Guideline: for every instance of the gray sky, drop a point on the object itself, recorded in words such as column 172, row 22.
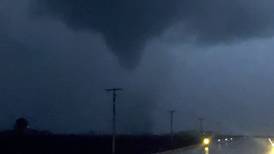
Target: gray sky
column 210, row 58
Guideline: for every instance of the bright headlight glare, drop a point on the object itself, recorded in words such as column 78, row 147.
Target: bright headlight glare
column 206, row 141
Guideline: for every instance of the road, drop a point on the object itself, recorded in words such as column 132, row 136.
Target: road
column 240, row 146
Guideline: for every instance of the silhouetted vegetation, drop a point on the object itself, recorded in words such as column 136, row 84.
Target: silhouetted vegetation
column 21, row 126
column 75, row 144
column 23, row 140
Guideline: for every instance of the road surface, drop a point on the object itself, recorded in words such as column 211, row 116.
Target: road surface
column 240, row 146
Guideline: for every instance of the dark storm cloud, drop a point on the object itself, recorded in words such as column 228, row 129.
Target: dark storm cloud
column 127, row 24
column 56, row 77
column 54, row 72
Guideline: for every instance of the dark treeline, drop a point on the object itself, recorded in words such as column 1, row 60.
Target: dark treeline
column 73, row 144
column 23, row 140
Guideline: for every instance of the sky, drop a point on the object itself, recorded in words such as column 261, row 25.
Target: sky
column 203, row 58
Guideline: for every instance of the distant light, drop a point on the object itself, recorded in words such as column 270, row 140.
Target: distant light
column 206, row 141
column 219, row 140
column 206, row 150
column 226, row 139
column 231, row 139
column 271, row 150
column 271, row 142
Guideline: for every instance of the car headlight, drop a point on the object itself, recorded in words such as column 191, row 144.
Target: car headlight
column 206, row 141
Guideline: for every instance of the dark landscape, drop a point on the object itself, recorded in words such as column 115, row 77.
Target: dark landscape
column 96, row 144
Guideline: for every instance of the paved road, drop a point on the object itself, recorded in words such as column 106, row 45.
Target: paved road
column 241, row 146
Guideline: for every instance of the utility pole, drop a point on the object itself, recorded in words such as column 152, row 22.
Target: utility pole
column 171, row 112
column 201, row 122
column 114, row 96
column 219, row 128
